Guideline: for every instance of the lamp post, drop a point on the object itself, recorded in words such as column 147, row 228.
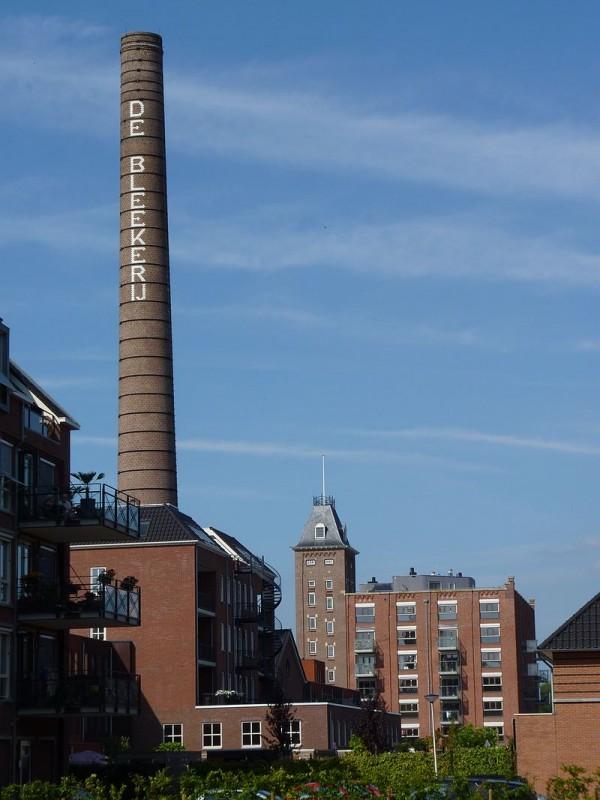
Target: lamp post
column 431, row 698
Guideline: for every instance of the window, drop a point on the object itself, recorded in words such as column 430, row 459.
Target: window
column 312, row 599
column 365, row 613
column 312, row 584
column 364, row 642
column 329, row 603
column 490, row 634
column 312, row 623
column 491, row 683
column 4, row 665
column 447, row 610
column 251, row 734
column 329, row 584
column 489, row 609
column 312, row 647
column 320, row 531
column 173, row 733
column 434, row 585
column 408, row 685
column 330, row 676
column 498, row 727
column 5, row 567
column 95, row 585
column 330, row 651
column 407, row 661
column 211, row 734
column 329, row 561
column 493, row 708
column 491, row 658
column 330, row 627
column 406, row 612
column 406, row 636
column 98, row 633
column 295, row 732
column 449, row 663
column 449, row 687
column 409, row 708
column 448, row 638
column 367, row 687
column 410, row 733
column 6, row 475
column 310, row 562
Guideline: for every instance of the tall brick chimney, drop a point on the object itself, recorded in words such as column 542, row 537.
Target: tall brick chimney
column 147, row 465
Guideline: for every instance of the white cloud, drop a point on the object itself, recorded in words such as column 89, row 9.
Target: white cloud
column 480, row 437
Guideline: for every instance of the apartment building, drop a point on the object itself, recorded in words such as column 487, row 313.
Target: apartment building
column 50, row 689
column 468, row 649
column 210, row 621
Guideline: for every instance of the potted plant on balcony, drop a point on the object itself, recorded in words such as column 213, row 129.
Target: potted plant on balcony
column 107, row 576
column 129, row 582
column 87, row 505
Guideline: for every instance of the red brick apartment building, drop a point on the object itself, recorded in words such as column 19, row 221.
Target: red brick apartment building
column 571, row 733
column 210, row 652
column 53, row 689
column 418, row 635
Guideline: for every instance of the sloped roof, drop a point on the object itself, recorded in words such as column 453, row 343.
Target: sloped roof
column 324, row 513
column 23, row 385
column 165, row 523
column 234, row 548
column 579, row 632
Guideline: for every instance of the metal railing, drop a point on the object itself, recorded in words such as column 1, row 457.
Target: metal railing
column 39, row 597
column 115, row 693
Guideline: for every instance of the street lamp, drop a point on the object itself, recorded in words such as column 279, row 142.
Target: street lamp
column 431, row 698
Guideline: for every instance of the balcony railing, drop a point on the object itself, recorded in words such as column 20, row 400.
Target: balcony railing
column 246, row 612
column 206, row 652
column 52, row 604
column 365, row 669
column 366, row 645
column 450, row 691
column 83, row 513
column 206, row 602
column 448, row 642
column 247, row 660
column 449, row 665
column 118, row 693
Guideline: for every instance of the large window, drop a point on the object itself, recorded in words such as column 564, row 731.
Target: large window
column 173, row 732
column 493, row 707
column 365, row 613
column 409, row 709
column 448, row 638
column 407, row 661
column 251, row 736
column 211, row 734
column 5, row 570
column 447, row 609
column 406, row 612
column 4, row 665
column 295, row 732
column 490, row 634
column 491, row 658
column 491, row 683
column 489, row 609
column 407, row 636
column 408, row 685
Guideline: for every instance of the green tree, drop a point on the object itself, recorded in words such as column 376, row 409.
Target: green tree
column 370, row 726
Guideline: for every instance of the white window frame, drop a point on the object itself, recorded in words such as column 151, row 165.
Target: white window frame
column 490, row 687
column 312, row 584
column 330, row 676
column 330, row 626
column 310, row 562
column 312, row 623
column 312, row 647
column 251, row 734
column 173, row 732
column 98, row 633
column 367, row 615
column 406, row 636
column 329, row 584
column 320, row 531
column 212, row 735
column 492, row 633
column 406, row 658
column 489, row 613
column 329, row 603
column 312, row 599
column 486, row 654
column 408, row 685
column 330, row 651
column 95, row 585
column 406, row 612
column 295, row 732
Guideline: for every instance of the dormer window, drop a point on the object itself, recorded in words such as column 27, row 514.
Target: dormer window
column 320, row 530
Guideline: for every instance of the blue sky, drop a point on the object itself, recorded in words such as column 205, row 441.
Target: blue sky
column 384, row 248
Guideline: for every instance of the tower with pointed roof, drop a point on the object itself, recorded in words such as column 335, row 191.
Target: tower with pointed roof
column 325, row 574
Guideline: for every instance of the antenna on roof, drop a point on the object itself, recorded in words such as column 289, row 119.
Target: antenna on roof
column 323, row 491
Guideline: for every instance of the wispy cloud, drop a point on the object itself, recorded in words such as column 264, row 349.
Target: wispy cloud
column 286, row 450
column 480, row 437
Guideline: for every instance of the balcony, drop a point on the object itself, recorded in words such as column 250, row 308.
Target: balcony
column 206, row 604
column 448, row 641
column 206, row 655
column 94, row 513
column 247, row 660
column 449, row 664
column 51, row 604
column 245, row 613
column 366, row 645
column 450, row 691
column 365, row 670
column 450, row 713
column 118, row 693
